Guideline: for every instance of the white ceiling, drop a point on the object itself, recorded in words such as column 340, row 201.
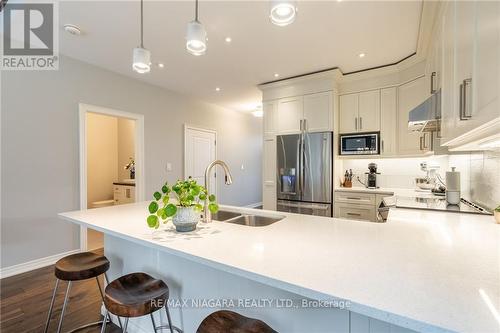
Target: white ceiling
column 325, row 34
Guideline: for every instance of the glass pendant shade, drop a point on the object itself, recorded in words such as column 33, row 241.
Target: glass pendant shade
column 141, row 60
column 196, row 38
column 282, row 12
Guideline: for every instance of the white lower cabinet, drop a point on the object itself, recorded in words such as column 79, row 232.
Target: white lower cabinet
column 355, row 212
column 361, row 206
column 123, row 194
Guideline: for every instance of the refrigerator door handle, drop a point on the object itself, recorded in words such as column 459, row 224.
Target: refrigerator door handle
column 301, row 166
column 304, row 205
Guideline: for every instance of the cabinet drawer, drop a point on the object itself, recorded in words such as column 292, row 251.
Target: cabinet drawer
column 355, row 212
column 355, row 197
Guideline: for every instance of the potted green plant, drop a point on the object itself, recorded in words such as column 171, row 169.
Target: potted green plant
column 497, row 214
column 185, row 210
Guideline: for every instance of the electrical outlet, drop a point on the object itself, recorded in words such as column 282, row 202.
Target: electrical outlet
column 242, row 167
column 169, row 166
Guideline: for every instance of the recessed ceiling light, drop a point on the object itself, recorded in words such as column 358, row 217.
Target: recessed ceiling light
column 161, row 65
column 276, row 75
column 228, row 39
column 361, row 55
column 217, row 89
column 283, row 12
column 72, row 29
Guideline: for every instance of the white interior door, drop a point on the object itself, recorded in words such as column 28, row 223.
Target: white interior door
column 200, row 151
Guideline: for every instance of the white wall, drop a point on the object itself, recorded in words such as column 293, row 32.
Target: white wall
column 126, row 146
column 39, row 148
column 102, row 157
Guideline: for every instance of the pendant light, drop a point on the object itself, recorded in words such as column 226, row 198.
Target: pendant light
column 141, row 56
column 282, row 12
column 196, row 37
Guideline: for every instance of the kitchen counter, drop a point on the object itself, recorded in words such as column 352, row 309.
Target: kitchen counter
column 424, row 270
column 380, row 190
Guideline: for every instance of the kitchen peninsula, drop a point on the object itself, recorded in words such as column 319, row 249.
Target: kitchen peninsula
column 449, row 263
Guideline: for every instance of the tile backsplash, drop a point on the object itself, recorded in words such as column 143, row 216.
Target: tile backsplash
column 479, row 173
column 485, row 178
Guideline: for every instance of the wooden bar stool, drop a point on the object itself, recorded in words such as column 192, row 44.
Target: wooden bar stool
column 232, row 322
column 136, row 295
column 77, row 267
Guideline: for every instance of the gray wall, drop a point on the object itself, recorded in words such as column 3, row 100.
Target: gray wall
column 39, row 146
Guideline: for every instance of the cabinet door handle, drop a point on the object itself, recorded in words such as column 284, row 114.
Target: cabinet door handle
column 382, row 145
column 433, row 77
column 354, row 214
column 360, row 123
column 300, row 125
column 304, row 125
column 467, row 101
column 464, row 108
column 353, row 198
column 356, row 123
column 421, row 144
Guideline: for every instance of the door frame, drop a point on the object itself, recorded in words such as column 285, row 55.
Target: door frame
column 83, row 109
column 201, row 129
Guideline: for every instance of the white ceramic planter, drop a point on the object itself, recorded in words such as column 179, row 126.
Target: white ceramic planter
column 186, row 219
column 497, row 216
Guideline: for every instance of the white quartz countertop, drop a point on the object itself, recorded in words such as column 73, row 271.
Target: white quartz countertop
column 424, row 270
column 381, row 190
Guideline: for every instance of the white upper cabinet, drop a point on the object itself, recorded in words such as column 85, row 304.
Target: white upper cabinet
column 369, row 111
column 311, row 112
column 360, row 112
column 318, row 112
column 471, row 71
column 487, row 59
column 348, row 113
column 290, row 111
column 270, row 117
column 410, row 95
column 388, row 121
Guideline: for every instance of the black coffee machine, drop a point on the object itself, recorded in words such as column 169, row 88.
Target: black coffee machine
column 371, row 176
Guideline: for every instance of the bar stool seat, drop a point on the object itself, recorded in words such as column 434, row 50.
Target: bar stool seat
column 81, row 266
column 135, row 295
column 232, row 322
column 77, row 267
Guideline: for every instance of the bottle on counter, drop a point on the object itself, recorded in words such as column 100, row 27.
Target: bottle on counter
column 453, row 187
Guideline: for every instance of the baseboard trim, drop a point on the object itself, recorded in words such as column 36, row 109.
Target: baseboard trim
column 254, row 205
column 33, row 264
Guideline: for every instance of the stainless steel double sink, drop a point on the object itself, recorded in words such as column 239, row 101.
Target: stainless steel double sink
column 250, row 220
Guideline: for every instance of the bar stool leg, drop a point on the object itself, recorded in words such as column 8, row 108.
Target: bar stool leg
column 51, row 306
column 107, row 281
column 124, row 330
column 64, row 307
column 169, row 319
column 153, row 321
column 104, row 322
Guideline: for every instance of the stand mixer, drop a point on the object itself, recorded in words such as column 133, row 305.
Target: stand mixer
column 430, row 182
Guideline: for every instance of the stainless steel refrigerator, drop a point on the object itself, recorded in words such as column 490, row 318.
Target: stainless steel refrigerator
column 305, row 173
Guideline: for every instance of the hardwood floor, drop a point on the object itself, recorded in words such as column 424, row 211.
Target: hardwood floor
column 25, row 300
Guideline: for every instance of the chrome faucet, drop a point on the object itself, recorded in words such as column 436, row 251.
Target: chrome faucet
column 207, row 215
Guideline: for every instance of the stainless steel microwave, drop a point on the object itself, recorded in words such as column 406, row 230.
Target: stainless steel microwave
column 360, row 144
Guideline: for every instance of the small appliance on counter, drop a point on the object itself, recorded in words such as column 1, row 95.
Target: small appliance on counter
column 430, row 181
column 453, row 187
column 371, row 176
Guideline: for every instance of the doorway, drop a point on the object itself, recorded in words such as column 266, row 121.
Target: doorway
column 111, row 163
column 200, row 149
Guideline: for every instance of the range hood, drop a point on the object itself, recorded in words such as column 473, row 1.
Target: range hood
column 426, row 117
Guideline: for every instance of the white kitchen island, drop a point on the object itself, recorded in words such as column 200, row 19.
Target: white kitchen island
column 422, row 270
